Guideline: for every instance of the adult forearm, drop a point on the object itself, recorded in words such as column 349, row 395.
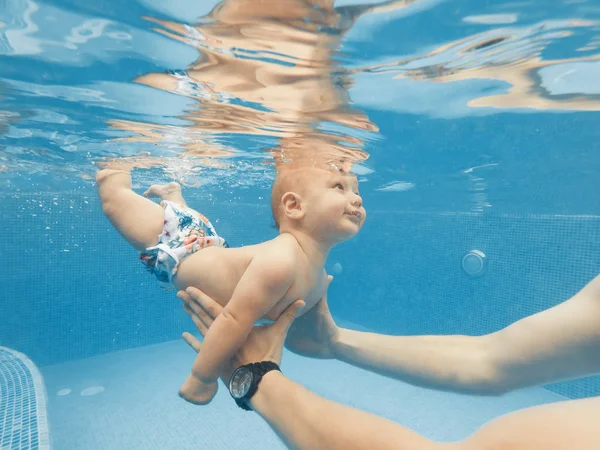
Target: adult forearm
column 454, row 363
column 304, row 420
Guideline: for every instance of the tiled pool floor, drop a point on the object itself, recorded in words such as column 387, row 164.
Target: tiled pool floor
column 128, row 400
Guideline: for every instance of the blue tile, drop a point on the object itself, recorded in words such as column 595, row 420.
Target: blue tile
column 19, row 378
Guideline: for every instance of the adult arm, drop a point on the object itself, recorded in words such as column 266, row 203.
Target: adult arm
column 559, row 343
column 302, row 419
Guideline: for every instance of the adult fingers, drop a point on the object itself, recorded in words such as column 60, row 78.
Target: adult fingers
column 202, row 327
column 195, row 309
column 286, row 319
column 210, row 306
column 192, row 341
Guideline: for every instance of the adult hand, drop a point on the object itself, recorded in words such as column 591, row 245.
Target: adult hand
column 314, row 334
column 264, row 343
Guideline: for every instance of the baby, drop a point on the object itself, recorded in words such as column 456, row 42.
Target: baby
column 314, row 209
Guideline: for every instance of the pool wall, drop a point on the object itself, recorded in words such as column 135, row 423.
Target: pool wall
column 74, row 289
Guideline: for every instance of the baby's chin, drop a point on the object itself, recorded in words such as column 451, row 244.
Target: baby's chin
column 348, row 232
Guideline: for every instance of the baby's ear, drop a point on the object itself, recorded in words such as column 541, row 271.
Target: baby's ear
column 292, row 205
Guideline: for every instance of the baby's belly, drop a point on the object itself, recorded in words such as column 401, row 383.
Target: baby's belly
column 307, row 292
column 214, row 270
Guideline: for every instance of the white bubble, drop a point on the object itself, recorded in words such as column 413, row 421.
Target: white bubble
column 492, row 19
column 359, row 169
column 397, row 186
column 90, row 29
column 63, row 392
column 337, row 269
column 120, row 35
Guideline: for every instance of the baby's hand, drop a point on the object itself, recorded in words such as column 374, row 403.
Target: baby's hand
column 198, row 392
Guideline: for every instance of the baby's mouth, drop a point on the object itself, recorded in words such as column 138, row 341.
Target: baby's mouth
column 356, row 214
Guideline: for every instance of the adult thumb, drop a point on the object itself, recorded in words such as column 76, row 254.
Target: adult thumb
column 287, row 317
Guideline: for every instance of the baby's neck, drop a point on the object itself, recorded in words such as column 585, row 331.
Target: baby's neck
column 316, row 252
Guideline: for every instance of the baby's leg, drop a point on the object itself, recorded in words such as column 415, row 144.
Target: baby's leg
column 170, row 192
column 138, row 219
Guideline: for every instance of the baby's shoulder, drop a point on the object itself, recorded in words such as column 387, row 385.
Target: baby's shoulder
column 277, row 248
column 282, row 244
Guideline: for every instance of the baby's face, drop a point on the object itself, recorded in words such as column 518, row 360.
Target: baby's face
column 334, row 205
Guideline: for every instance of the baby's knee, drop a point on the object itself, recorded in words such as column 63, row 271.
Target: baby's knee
column 110, row 180
column 111, row 185
column 104, row 175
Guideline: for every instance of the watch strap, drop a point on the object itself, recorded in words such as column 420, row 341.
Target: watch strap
column 258, row 370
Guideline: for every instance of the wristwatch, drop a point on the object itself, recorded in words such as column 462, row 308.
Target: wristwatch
column 243, row 383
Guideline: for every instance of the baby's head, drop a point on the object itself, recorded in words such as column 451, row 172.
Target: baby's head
column 321, row 202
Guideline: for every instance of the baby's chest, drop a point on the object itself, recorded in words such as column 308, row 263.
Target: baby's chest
column 310, row 289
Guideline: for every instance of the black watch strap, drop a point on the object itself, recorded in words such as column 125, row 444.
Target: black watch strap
column 258, row 369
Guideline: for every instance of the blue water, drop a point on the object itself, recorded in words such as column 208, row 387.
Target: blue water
column 471, row 125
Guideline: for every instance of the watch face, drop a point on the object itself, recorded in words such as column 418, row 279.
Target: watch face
column 240, row 383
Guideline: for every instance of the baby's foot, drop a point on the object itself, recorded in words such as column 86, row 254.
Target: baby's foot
column 170, row 192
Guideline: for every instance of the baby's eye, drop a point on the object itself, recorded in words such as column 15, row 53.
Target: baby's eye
column 339, row 186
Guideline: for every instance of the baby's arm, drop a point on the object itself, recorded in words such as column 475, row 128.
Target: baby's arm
column 264, row 283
